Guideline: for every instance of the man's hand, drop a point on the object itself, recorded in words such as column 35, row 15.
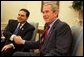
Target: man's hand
column 18, row 40
column 6, row 47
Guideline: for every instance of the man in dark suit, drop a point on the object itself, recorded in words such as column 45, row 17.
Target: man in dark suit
column 57, row 41
column 15, row 28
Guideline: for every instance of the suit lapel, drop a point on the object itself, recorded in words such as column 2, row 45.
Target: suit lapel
column 51, row 32
column 53, row 27
column 15, row 24
column 23, row 28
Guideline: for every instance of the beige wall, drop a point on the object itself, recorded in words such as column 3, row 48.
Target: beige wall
column 9, row 10
column 35, row 10
column 68, row 14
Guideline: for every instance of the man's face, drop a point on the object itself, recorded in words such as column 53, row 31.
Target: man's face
column 21, row 17
column 48, row 14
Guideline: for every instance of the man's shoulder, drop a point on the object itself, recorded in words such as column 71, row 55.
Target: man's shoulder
column 30, row 25
column 64, row 25
column 12, row 20
column 61, row 24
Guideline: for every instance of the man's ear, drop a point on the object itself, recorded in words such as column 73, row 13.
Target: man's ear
column 56, row 14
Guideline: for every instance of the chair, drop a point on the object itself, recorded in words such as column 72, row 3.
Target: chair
column 34, row 35
column 35, row 31
column 80, row 48
column 2, row 29
column 77, row 32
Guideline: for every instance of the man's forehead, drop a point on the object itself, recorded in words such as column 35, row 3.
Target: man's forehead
column 47, row 7
column 22, row 12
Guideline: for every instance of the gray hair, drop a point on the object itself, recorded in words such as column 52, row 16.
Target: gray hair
column 54, row 7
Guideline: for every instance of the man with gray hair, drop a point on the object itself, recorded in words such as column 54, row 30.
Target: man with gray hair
column 56, row 39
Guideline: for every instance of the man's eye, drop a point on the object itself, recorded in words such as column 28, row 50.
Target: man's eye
column 47, row 11
column 18, row 14
column 22, row 15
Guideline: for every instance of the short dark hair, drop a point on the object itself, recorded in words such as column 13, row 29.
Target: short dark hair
column 25, row 10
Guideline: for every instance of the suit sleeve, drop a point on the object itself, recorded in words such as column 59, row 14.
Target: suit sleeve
column 63, row 41
column 31, row 45
column 7, row 32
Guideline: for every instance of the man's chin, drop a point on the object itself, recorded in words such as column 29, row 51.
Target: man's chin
column 19, row 21
column 47, row 22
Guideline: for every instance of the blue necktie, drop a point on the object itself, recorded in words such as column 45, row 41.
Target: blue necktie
column 17, row 29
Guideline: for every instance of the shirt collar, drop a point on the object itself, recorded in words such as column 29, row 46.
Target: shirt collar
column 21, row 25
column 53, row 22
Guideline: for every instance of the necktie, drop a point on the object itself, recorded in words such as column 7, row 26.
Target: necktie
column 46, row 32
column 17, row 29
column 45, row 36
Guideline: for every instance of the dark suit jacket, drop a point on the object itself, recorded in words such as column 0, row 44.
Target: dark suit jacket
column 25, row 32
column 58, row 42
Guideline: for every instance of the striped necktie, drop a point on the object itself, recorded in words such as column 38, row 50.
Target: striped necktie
column 17, row 29
column 45, row 36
